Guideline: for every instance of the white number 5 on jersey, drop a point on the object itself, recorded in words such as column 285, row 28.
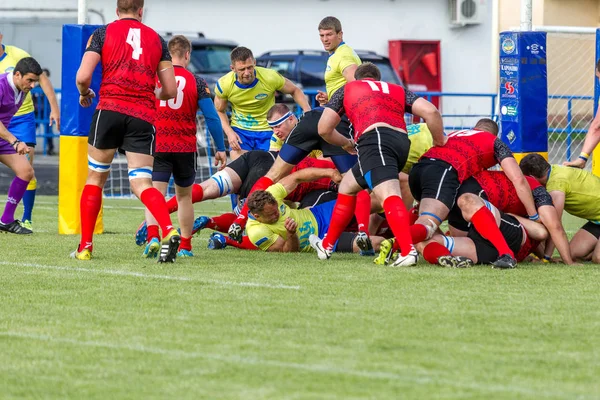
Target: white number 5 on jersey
column 135, row 41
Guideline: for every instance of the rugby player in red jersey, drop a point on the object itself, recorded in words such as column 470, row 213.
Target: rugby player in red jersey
column 495, row 187
column 132, row 56
column 435, row 179
column 376, row 110
column 176, row 144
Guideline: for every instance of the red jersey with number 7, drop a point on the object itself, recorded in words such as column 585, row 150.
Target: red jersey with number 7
column 176, row 118
column 367, row 102
column 130, row 53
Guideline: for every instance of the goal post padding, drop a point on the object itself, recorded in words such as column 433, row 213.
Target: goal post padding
column 524, row 92
column 75, row 125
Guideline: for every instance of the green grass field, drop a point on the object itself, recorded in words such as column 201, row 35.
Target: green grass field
column 234, row 324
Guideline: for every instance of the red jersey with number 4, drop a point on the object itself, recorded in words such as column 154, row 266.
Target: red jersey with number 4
column 130, row 53
column 367, row 102
column 502, row 193
column 470, row 151
column 176, row 118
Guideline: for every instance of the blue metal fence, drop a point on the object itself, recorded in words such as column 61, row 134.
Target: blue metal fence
column 42, row 114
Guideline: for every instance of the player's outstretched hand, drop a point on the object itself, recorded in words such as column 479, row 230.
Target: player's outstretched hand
column 86, row 100
column 350, row 147
column 578, row 163
column 321, row 97
column 290, row 225
column 220, row 160
column 234, row 141
column 336, row 176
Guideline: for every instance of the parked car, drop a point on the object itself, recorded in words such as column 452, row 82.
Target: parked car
column 307, row 67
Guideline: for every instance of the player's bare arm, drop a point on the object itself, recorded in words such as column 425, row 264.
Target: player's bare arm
column 426, row 110
column 232, row 137
column 48, row 90
column 83, row 78
column 349, row 71
column 291, row 182
column 327, row 123
column 535, row 231
column 297, row 94
column 552, row 222
column 558, row 199
column 514, row 173
column 166, row 77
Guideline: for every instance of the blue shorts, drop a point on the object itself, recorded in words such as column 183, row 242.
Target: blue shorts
column 254, row 140
column 323, row 213
column 23, row 127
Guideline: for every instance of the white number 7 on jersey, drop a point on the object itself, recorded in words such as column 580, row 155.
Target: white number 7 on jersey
column 135, row 41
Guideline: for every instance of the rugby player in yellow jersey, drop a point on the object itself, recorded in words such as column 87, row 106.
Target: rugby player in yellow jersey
column 342, row 62
column 251, row 92
column 22, row 125
column 575, row 191
column 275, row 227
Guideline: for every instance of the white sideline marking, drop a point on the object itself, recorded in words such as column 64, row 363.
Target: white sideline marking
column 325, row 369
column 152, row 276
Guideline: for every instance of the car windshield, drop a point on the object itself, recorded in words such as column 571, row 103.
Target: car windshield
column 387, row 73
column 210, row 59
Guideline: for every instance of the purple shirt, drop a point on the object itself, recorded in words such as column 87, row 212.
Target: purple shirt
column 11, row 98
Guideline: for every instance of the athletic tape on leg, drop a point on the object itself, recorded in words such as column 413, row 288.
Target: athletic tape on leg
column 140, row 173
column 97, row 166
column 449, row 243
column 224, row 183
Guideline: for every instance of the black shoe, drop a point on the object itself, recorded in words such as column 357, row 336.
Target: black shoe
column 455, row 262
column 505, row 261
column 168, row 248
column 15, row 227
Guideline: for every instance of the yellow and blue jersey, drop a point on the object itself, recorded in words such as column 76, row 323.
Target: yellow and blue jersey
column 337, row 62
column 250, row 103
column 420, row 141
column 264, row 235
column 581, row 189
column 12, row 55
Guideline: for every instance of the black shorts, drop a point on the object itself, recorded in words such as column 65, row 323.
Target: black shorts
column 434, row 179
column 455, row 218
column 316, row 197
column 250, row 167
column 113, row 130
column 592, row 228
column 345, row 243
column 512, row 231
column 305, row 135
column 182, row 165
column 382, row 154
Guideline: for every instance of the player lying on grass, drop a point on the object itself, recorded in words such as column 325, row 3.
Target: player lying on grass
column 521, row 234
column 495, row 187
column 575, row 191
column 274, row 226
column 435, row 179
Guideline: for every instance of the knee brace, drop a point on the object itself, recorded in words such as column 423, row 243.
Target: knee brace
column 140, row 173
column 97, row 166
column 224, row 183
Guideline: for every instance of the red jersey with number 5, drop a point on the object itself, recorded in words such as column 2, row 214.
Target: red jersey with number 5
column 176, row 118
column 367, row 102
column 470, row 151
column 130, row 53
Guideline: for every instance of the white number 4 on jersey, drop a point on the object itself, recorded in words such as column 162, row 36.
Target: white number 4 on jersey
column 135, row 41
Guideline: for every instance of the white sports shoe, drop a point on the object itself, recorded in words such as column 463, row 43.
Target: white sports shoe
column 317, row 244
column 408, row 260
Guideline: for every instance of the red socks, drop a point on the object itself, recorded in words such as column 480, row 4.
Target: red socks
column 397, row 217
column 245, row 245
column 418, row 232
column 89, row 207
column 260, row 184
column 152, row 232
column 433, row 251
column 197, row 194
column 221, row 223
column 185, row 244
column 340, row 218
column 485, row 223
column 156, row 204
column 362, row 213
